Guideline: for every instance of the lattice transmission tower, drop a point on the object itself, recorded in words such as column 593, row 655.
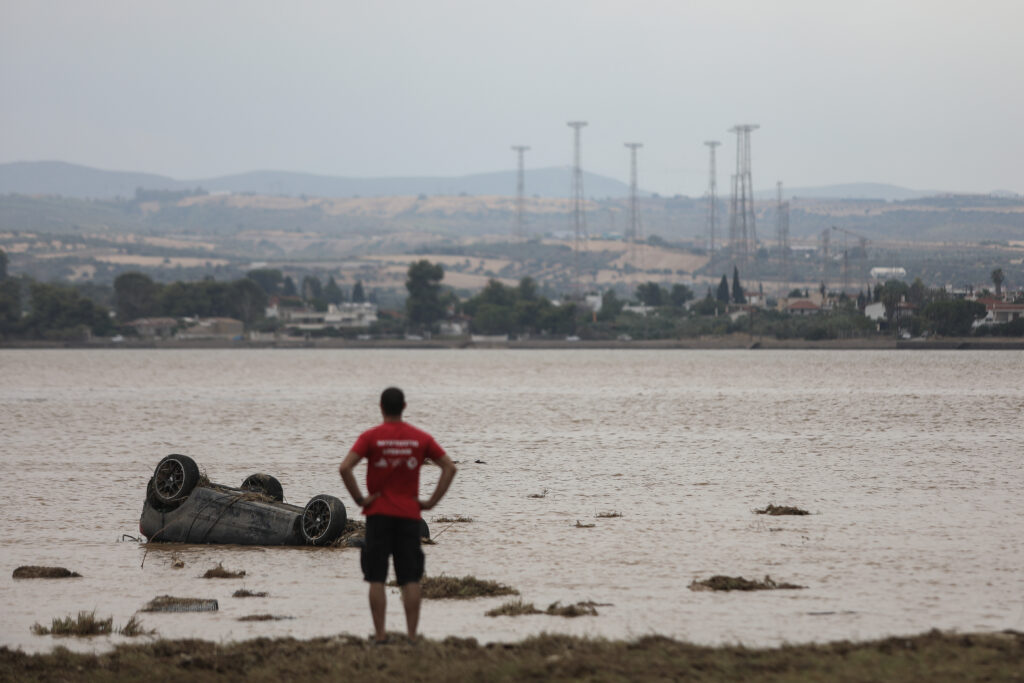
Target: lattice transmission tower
column 712, row 217
column 520, row 232
column 579, row 216
column 782, row 237
column 742, row 229
column 635, row 229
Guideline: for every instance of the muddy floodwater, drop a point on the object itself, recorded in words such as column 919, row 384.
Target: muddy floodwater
column 910, row 463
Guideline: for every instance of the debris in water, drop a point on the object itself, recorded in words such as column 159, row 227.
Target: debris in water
column 462, row 588
column 479, row 462
column 513, row 608
column 580, row 525
column 781, row 510
column 542, row 494
column 455, row 519
column 579, row 609
column 34, row 572
column 262, row 617
column 166, row 603
column 608, row 515
column 243, row 593
column 177, row 562
column 738, row 583
column 134, row 628
column 219, row 572
column 85, row 625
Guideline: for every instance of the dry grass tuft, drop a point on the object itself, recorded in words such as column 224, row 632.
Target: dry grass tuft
column 781, row 510
column 34, row 572
column 514, row 608
column 462, row 588
column 738, row 583
column 579, row 609
column 84, row 625
column 243, row 593
column 134, row 627
column 455, row 519
column 608, row 515
column 167, row 603
column 219, row 572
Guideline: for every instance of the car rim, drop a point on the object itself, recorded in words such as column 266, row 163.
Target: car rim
column 169, row 479
column 316, row 519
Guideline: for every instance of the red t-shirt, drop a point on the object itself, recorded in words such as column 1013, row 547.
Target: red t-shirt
column 394, row 453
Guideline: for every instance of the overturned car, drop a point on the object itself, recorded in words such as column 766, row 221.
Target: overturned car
column 183, row 507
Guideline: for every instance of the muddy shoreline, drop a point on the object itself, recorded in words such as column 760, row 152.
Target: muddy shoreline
column 731, row 342
column 932, row 656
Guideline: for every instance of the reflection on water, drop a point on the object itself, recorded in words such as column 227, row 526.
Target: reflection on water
column 911, row 462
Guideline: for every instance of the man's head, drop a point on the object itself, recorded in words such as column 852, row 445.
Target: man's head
column 392, row 402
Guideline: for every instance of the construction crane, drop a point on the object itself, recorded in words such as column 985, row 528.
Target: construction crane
column 862, row 255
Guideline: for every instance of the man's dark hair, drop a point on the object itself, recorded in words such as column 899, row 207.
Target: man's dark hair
column 392, row 402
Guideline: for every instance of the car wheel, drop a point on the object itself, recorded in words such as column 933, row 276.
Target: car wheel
column 323, row 520
column 174, row 478
column 424, row 529
column 265, row 484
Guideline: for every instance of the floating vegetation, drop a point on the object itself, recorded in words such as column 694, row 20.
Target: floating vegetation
column 513, row 608
column 579, row 609
column 262, row 617
column 177, row 562
column 738, row 583
column 167, row 603
column 781, row 510
column 133, row 627
column 608, row 515
column 542, row 494
column 581, row 525
column 456, row 519
column 34, row 572
column 462, row 588
column 219, row 572
column 84, row 625
column 243, row 593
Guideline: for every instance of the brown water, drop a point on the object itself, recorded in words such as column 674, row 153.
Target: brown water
column 910, row 461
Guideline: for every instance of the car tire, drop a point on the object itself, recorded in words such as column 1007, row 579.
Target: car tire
column 323, row 520
column 265, row 484
column 424, row 529
column 174, row 478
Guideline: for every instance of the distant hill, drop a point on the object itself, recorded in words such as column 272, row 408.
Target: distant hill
column 83, row 182
column 881, row 191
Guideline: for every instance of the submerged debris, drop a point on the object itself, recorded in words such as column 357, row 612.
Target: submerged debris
column 579, row 609
column 262, row 617
column 462, row 588
column 85, row 625
column 34, row 572
column 514, row 608
column 542, row 494
column 517, row 608
column 581, row 525
column 455, row 519
column 243, row 593
column 781, row 510
column 608, row 515
column 219, row 572
column 738, row 583
column 167, row 603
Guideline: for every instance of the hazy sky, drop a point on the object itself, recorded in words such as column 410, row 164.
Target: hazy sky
column 928, row 94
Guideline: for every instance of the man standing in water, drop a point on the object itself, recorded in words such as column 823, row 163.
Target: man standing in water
column 394, row 452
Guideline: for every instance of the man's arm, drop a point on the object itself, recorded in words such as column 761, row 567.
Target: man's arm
column 448, row 470
column 348, row 476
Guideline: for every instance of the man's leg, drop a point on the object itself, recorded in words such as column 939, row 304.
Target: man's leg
column 411, row 596
column 379, row 609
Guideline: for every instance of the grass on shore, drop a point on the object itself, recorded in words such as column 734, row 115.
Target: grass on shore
column 86, row 624
column 930, row 656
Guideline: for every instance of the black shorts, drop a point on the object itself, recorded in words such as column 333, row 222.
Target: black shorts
column 392, row 536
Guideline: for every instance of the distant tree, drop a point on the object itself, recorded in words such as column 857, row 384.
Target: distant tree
column 311, row 288
column 3, row 265
column 737, row 289
column 269, row 279
column 611, row 306
column 423, row 306
column 135, row 296
column 248, row 299
column 61, row 313
column 651, row 294
column 953, row 318
column 332, row 292
column 680, row 295
column 723, row 290
column 917, row 292
column 795, row 293
column 10, row 306
column 997, row 279
column 358, row 295
column 288, row 287
column 527, row 289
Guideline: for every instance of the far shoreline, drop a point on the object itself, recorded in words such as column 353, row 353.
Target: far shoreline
column 730, row 342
